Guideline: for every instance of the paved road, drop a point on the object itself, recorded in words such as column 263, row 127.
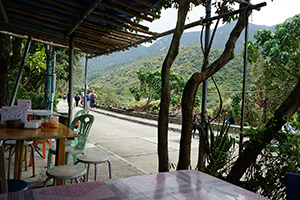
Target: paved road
column 133, row 143
column 130, row 143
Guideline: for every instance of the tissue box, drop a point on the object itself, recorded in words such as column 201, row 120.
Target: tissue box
column 33, row 124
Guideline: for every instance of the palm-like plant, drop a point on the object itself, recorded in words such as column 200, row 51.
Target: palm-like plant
column 217, row 145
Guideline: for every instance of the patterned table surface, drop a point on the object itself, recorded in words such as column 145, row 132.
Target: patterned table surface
column 184, row 184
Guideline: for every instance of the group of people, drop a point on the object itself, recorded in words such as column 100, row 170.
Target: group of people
column 90, row 97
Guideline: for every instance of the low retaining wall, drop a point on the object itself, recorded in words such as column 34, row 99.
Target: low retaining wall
column 173, row 120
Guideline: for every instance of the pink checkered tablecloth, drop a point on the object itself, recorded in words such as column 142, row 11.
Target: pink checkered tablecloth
column 185, row 184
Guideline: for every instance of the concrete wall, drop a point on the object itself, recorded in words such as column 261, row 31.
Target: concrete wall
column 174, row 120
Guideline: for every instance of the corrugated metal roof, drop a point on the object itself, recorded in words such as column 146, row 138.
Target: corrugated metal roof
column 99, row 27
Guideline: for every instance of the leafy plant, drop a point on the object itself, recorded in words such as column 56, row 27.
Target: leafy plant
column 282, row 155
column 275, row 56
column 216, row 146
column 150, row 86
column 37, row 99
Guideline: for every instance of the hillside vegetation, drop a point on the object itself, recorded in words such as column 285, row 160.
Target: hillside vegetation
column 188, row 62
column 117, row 72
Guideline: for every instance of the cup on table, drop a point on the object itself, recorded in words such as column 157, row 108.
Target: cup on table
column 45, row 123
column 54, row 121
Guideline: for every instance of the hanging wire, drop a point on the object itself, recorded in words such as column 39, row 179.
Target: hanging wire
column 206, row 53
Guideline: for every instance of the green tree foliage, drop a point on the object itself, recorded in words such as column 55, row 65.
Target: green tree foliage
column 189, row 60
column 150, row 86
column 33, row 77
column 276, row 60
column 282, row 155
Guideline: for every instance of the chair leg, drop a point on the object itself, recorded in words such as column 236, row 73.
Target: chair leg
column 25, row 157
column 109, row 166
column 49, row 160
column 9, row 162
column 75, row 158
column 33, row 165
column 44, row 149
column 96, row 172
column 50, row 145
column 31, row 154
column 46, row 182
column 87, row 174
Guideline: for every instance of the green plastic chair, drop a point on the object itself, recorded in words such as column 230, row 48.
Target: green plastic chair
column 78, row 113
column 86, row 122
column 76, row 129
column 81, row 112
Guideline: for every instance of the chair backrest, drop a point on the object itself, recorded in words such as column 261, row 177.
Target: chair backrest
column 85, row 123
column 81, row 112
column 292, row 182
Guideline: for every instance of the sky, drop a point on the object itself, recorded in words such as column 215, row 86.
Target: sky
column 273, row 13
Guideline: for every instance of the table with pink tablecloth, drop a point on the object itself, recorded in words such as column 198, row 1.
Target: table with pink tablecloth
column 184, row 184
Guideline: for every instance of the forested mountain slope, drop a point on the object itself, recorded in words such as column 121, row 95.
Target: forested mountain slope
column 187, row 62
column 118, row 70
column 104, row 65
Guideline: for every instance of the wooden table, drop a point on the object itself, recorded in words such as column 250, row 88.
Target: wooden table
column 20, row 135
column 185, row 184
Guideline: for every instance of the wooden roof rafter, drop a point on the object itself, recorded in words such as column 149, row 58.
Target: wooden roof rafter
column 103, row 24
column 99, row 27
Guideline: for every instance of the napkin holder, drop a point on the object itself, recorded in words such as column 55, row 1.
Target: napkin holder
column 33, row 124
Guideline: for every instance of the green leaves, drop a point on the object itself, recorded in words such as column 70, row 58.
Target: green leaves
column 282, row 155
column 217, row 145
column 150, row 86
column 276, row 60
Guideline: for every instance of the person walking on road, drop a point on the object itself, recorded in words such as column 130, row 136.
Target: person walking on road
column 92, row 100
column 77, row 98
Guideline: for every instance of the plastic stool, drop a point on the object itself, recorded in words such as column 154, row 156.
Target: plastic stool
column 14, row 185
column 93, row 159
column 65, row 172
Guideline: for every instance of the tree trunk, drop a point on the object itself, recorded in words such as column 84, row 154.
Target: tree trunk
column 4, row 68
column 190, row 90
column 285, row 111
column 163, row 119
column 188, row 102
column 7, row 62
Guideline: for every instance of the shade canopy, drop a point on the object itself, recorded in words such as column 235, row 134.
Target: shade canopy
column 98, row 27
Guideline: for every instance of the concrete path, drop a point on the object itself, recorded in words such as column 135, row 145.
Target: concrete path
column 133, row 140
column 131, row 145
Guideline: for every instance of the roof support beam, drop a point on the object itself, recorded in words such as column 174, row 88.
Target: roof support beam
column 128, row 5
column 38, row 40
column 84, row 16
column 70, row 94
column 193, row 24
column 146, row 3
column 245, row 3
column 17, row 83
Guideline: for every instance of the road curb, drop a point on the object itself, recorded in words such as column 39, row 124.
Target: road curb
column 134, row 120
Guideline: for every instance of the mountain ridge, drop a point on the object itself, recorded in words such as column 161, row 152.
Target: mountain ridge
column 107, row 64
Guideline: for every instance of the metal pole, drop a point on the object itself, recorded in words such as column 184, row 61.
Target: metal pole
column 70, row 96
column 207, row 40
column 17, row 83
column 201, row 154
column 244, row 84
column 53, row 81
column 48, row 79
column 85, row 82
